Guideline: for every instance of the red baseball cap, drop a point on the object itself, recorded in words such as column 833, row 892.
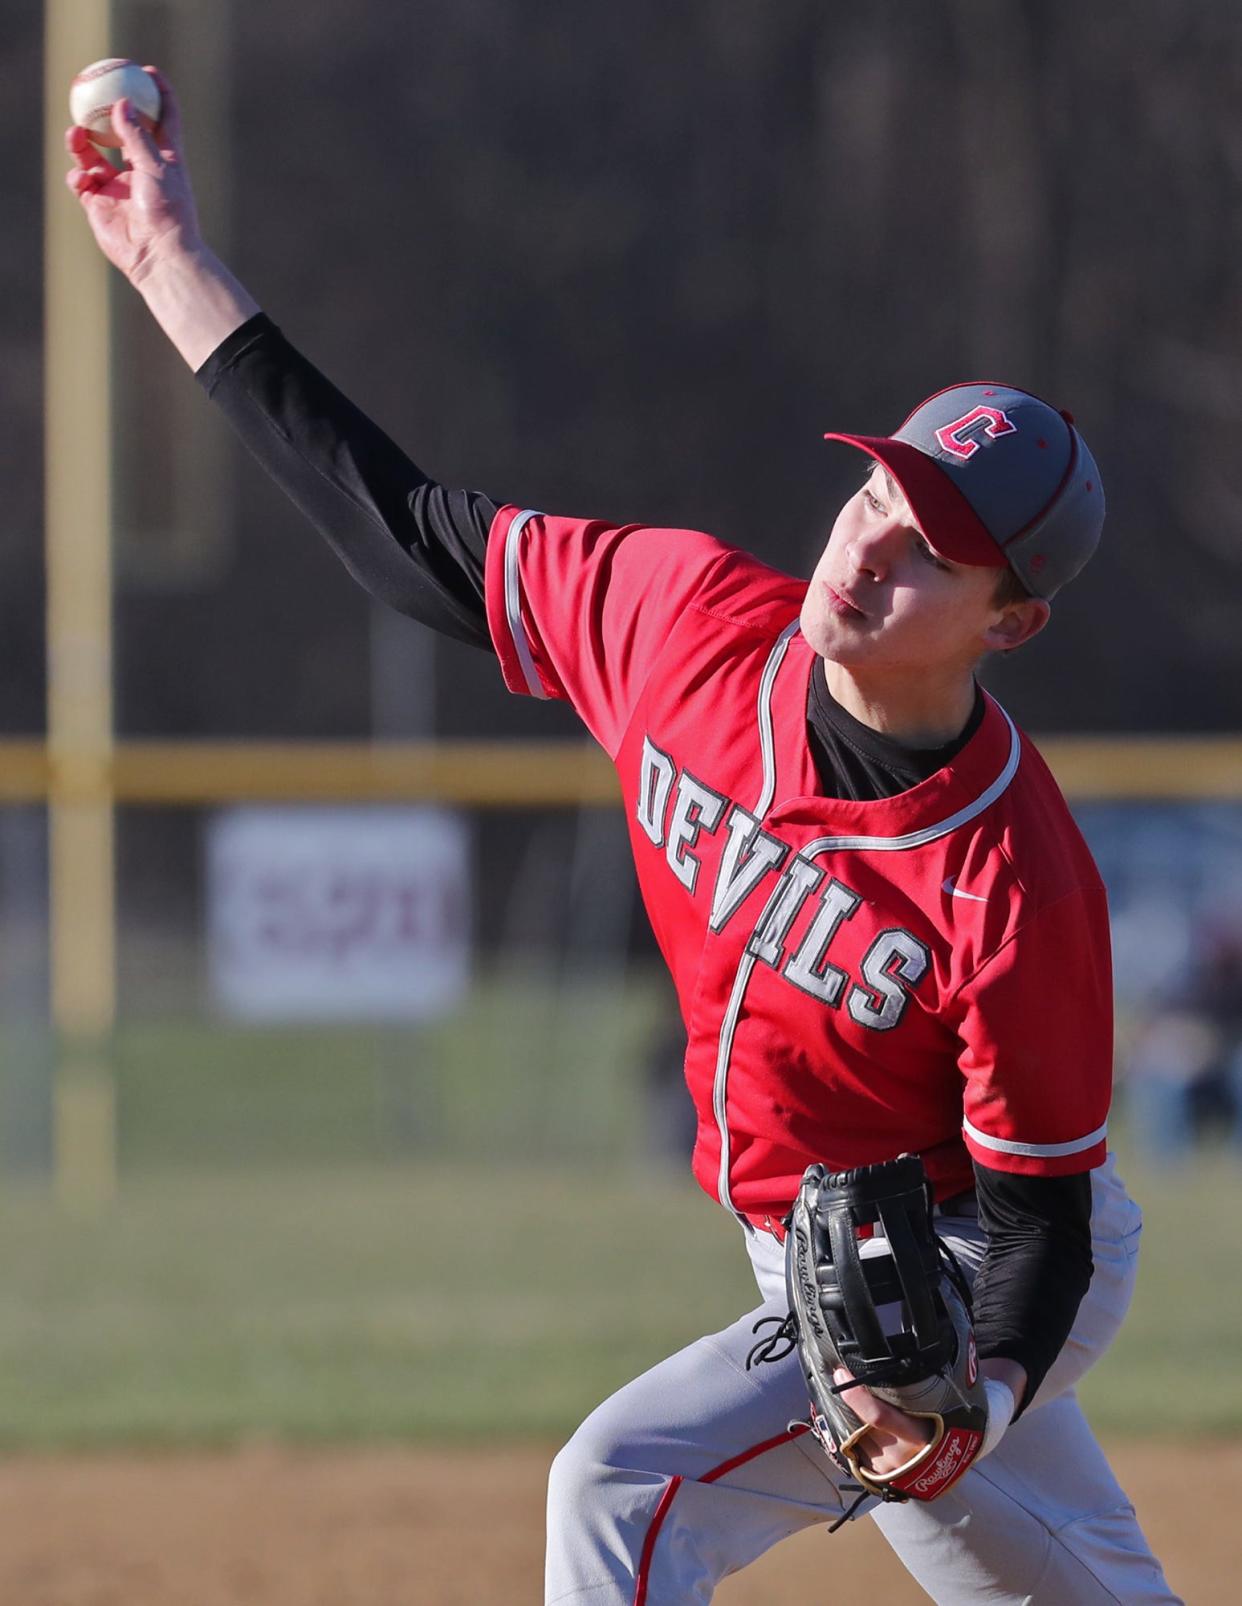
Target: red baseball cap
column 997, row 477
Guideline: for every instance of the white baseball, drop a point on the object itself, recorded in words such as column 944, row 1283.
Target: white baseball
column 97, row 87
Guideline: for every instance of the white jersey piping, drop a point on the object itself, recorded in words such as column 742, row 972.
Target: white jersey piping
column 890, row 844
column 728, row 1026
column 720, row 1091
column 929, row 833
column 767, row 743
column 1038, row 1151
column 513, row 605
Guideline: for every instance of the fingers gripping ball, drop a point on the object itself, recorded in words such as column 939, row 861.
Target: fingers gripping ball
column 98, row 87
column 874, row 1292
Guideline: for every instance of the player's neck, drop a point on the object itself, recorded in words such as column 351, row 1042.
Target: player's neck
column 918, row 711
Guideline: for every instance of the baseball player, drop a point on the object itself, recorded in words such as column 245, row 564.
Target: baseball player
column 885, row 931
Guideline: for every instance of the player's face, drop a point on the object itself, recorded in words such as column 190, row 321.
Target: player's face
column 882, row 599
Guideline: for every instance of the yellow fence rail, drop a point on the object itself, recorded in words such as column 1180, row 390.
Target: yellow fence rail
column 519, row 774
column 489, row 775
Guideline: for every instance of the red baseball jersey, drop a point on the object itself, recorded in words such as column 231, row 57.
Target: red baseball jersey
column 928, row 972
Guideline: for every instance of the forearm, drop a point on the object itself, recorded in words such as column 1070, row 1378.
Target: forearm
column 195, row 300
column 409, row 541
column 1034, row 1275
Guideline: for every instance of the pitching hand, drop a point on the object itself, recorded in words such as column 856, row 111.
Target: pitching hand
column 144, row 210
column 895, row 1437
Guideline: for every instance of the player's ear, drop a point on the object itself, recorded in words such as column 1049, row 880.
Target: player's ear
column 1016, row 623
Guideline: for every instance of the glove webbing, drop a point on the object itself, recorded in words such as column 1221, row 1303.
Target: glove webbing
column 858, row 1293
column 895, row 1198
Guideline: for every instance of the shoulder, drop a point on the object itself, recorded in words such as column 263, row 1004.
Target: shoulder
column 1027, row 822
column 1048, row 851
column 749, row 593
column 1018, row 866
column 652, row 567
column 588, row 611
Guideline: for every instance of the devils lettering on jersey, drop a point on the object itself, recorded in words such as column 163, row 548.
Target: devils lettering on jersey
column 795, row 886
column 654, row 784
column 809, row 967
column 697, row 809
column 748, row 855
column 895, row 962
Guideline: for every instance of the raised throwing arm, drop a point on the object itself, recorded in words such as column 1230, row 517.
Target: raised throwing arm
column 407, row 540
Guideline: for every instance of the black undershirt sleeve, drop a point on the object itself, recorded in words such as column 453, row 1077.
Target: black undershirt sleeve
column 407, row 540
column 1036, row 1269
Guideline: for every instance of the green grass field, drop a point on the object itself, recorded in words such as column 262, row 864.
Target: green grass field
column 423, row 1301
column 334, row 1235
column 525, row 1069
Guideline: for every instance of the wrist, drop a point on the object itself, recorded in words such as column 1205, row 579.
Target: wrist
column 1001, row 1407
column 1012, row 1374
column 176, row 253
column 193, row 297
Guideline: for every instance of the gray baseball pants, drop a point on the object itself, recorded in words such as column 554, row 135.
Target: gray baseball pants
column 691, row 1471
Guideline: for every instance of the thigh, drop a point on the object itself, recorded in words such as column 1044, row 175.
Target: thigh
column 685, row 1475
column 1042, row 1519
column 1041, row 1522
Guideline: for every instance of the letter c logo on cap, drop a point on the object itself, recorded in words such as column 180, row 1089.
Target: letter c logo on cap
column 956, row 437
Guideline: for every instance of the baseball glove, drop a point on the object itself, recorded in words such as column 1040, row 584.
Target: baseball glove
column 872, row 1289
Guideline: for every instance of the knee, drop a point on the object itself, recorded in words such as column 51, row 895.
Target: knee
column 570, row 1477
column 1111, row 1552
column 600, row 1510
column 590, row 1459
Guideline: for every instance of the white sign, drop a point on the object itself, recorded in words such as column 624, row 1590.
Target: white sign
column 337, row 913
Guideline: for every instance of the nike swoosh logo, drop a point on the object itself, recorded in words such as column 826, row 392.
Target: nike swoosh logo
column 956, row 892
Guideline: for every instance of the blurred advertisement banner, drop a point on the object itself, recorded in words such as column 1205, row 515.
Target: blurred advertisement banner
column 337, row 914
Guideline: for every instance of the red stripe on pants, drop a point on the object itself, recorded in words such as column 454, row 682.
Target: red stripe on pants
column 670, row 1494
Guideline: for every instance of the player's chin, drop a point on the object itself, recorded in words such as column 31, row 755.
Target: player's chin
column 817, row 627
column 830, row 638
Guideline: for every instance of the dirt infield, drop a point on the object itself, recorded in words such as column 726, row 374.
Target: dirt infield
column 274, row 1527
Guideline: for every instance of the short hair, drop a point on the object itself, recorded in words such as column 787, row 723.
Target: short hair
column 1009, row 588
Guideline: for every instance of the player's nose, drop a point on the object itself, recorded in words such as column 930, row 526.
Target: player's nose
column 873, row 549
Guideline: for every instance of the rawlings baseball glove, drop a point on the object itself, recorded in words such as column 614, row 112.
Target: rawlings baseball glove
column 872, row 1289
